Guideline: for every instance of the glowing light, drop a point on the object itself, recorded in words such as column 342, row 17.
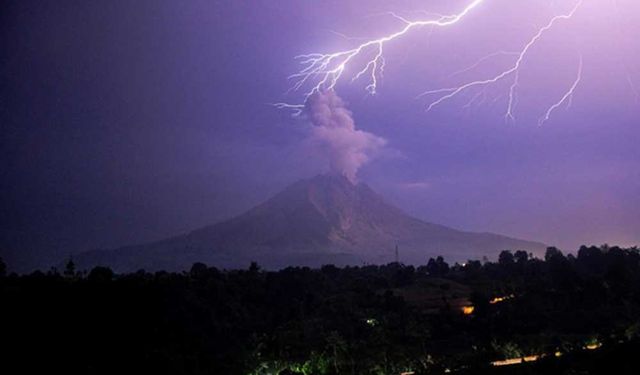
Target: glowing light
column 517, row 361
column 372, row 322
column 507, row 362
column 327, row 68
column 513, row 71
column 566, row 98
column 366, row 61
column 468, row 310
column 500, row 299
column 593, row 346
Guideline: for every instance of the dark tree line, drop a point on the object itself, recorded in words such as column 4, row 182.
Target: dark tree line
column 354, row 320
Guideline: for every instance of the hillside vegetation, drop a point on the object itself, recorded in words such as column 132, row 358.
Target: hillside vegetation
column 562, row 313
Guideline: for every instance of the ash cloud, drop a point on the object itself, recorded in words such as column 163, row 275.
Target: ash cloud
column 334, row 133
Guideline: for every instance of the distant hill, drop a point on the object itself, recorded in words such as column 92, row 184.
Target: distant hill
column 322, row 220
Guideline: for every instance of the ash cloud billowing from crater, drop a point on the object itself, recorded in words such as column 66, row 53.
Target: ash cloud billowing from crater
column 335, row 135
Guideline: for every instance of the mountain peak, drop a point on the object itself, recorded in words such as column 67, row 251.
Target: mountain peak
column 333, row 178
column 329, row 182
column 321, row 220
column 333, row 196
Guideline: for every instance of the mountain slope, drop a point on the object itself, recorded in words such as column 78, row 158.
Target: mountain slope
column 322, row 220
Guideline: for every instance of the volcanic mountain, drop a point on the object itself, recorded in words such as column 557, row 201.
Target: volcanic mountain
column 323, row 220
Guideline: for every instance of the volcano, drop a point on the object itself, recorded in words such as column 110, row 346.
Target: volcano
column 323, row 220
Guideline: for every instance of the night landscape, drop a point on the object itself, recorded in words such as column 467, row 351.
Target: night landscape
column 320, row 187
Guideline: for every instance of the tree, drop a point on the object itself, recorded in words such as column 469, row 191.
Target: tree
column 480, row 301
column 553, row 255
column 562, row 274
column 591, row 258
column 254, row 267
column 198, row 269
column 507, row 350
column 442, row 265
column 473, row 265
column 70, row 269
column 101, row 274
column 437, row 267
column 3, row 268
column 521, row 257
column 404, row 276
column 505, row 258
column 338, row 348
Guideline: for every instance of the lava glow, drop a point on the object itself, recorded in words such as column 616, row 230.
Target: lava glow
column 366, row 62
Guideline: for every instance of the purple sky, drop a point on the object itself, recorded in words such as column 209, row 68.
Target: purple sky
column 128, row 122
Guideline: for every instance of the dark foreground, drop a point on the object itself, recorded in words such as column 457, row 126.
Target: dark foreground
column 563, row 315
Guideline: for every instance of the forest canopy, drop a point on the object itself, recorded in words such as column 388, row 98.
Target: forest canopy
column 387, row 319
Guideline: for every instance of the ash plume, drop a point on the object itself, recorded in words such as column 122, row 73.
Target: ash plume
column 334, row 133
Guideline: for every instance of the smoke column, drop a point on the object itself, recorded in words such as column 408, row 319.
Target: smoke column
column 335, row 134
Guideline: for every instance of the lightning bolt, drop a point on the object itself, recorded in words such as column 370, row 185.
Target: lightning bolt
column 328, row 69
column 479, row 62
column 625, row 65
column 323, row 71
column 514, row 70
column 567, row 97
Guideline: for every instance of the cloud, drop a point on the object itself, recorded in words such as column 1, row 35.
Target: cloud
column 335, row 134
column 419, row 185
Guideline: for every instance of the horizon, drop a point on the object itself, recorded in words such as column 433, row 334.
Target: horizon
column 55, row 267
